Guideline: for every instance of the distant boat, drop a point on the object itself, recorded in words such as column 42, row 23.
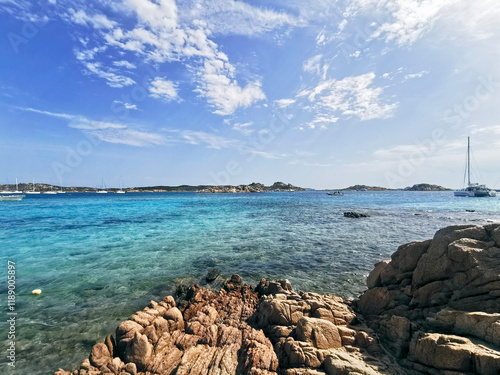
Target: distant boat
column 103, row 189
column 17, row 190
column 473, row 189
column 32, row 191
column 11, row 197
column 61, row 189
column 120, row 191
column 335, row 193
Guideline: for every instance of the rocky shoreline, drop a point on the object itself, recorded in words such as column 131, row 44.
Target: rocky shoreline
column 432, row 309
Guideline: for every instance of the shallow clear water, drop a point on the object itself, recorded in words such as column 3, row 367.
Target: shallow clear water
column 98, row 258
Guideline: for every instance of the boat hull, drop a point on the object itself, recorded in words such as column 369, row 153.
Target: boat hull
column 476, row 193
column 11, row 197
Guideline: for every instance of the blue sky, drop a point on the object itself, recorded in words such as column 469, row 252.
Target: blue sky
column 321, row 94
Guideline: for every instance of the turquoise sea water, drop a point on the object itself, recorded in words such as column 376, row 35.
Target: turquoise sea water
column 98, row 258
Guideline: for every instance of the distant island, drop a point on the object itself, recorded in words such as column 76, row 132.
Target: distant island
column 254, row 187
column 416, row 187
column 426, row 187
column 365, row 188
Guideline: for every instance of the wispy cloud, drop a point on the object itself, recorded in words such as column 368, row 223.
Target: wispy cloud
column 235, row 17
column 243, row 128
column 124, row 64
column 113, row 79
column 208, row 139
column 98, row 21
column 283, row 103
column 267, row 155
column 411, row 19
column 476, row 129
column 315, row 65
column 48, row 113
column 161, row 35
column 416, row 75
column 310, row 164
column 351, row 96
column 110, row 132
column 163, row 89
column 129, row 137
column 127, row 105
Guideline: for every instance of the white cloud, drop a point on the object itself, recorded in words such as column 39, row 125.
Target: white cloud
column 210, row 140
column 53, row 114
column 162, row 89
column 283, row 103
column 82, row 123
column 109, row 132
column 322, row 121
column 113, row 80
column 472, row 20
column 98, row 21
column 425, row 149
column 243, row 128
column 476, row 129
column 416, row 75
column 349, row 96
column 127, row 105
column 267, row 155
column 314, row 65
column 129, row 137
column 309, row 164
column 161, row 36
column 218, row 85
column 124, row 64
column 235, row 17
column 411, row 19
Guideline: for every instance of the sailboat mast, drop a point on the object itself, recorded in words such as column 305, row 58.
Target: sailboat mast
column 468, row 159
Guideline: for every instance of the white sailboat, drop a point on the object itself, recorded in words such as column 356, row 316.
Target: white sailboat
column 32, row 191
column 103, row 189
column 61, row 189
column 120, row 191
column 17, row 189
column 473, row 189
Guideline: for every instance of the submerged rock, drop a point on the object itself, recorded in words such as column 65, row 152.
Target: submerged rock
column 212, row 274
column 355, row 215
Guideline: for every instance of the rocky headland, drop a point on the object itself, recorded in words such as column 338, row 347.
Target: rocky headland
column 432, row 309
column 416, row 187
